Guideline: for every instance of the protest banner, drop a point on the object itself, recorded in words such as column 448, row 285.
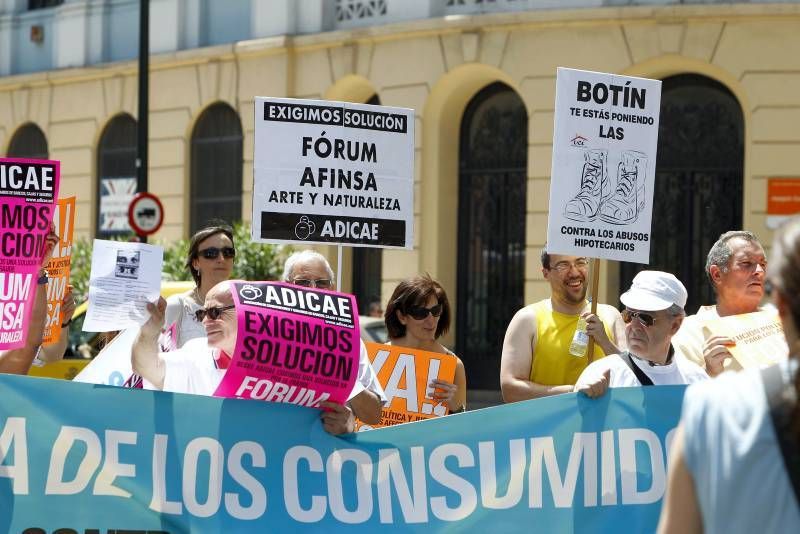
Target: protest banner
column 295, row 344
column 58, row 269
column 123, row 279
column 759, row 338
column 154, row 461
column 28, row 193
column 404, row 374
column 604, row 160
column 333, row 173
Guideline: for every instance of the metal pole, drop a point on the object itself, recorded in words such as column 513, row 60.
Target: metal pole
column 144, row 104
column 339, row 268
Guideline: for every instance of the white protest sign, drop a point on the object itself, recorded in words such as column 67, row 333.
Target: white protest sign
column 112, row 366
column 604, row 161
column 333, row 173
column 123, row 279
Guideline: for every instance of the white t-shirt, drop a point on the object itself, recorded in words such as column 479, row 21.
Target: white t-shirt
column 678, row 371
column 180, row 310
column 192, row 369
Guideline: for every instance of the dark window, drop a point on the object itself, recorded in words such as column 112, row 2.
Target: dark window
column 216, row 167
column 41, row 4
column 493, row 159
column 28, row 142
column 116, row 175
column 699, row 181
column 367, row 265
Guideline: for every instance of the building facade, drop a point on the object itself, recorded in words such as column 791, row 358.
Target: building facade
column 480, row 75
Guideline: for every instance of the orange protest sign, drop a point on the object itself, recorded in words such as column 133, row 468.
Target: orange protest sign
column 404, row 374
column 783, row 196
column 58, row 268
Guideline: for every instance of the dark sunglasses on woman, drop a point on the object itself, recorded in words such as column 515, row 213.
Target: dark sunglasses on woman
column 645, row 318
column 212, row 253
column 213, row 313
column 419, row 313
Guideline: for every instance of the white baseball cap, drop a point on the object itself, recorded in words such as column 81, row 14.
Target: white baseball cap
column 654, row 291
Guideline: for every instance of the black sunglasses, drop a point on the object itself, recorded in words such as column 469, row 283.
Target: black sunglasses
column 212, row 253
column 645, row 318
column 213, row 313
column 419, row 313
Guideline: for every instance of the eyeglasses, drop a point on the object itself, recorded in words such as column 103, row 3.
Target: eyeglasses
column 212, row 313
column 322, row 283
column 419, row 313
column 646, row 319
column 212, row 253
column 565, row 266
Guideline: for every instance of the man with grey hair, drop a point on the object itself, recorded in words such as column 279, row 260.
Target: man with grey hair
column 653, row 314
column 736, row 268
column 309, row 268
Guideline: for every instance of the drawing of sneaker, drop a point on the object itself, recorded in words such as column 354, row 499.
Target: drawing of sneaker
column 628, row 199
column 594, row 190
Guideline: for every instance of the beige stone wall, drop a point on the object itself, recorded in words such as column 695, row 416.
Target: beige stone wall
column 435, row 67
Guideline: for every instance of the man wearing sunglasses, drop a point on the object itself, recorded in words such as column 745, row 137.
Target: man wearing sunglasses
column 653, row 314
column 198, row 367
column 308, row 268
column 536, row 359
column 736, row 267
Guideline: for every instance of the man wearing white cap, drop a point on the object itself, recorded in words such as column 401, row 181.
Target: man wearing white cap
column 653, row 314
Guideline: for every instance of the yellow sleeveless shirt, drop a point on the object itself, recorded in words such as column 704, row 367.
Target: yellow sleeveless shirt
column 553, row 365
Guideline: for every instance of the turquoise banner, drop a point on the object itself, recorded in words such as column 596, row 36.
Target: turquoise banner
column 96, row 458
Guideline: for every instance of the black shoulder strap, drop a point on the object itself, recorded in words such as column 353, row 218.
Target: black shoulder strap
column 782, row 399
column 640, row 375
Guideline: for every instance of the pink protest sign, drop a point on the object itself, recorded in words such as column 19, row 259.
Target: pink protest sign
column 28, row 195
column 295, row 344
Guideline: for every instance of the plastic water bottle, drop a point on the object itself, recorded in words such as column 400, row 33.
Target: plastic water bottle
column 580, row 341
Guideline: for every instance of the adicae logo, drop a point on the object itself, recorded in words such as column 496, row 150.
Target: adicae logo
column 305, row 228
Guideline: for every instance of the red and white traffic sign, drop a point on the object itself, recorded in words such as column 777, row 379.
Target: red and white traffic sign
column 145, row 214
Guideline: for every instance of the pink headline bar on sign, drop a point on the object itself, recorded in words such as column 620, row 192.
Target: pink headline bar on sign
column 296, row 345
column 28, row 195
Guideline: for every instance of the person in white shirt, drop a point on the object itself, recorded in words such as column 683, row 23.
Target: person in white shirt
column 653, row 314
column 736, row 268
column 198, row 367
column 309, row 268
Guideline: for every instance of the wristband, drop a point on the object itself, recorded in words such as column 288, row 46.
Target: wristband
column 42, row 280
column 67, row 323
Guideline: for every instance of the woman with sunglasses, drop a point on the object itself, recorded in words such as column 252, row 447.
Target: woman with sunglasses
column 735, row 458
column 210, row 261
column 417, row 315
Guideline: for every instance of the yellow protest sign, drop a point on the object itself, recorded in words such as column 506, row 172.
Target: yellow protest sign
column 404, row 375
column 758, row 336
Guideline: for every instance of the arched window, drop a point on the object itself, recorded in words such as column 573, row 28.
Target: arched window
column 116, row 175
column 493, row 164
column 699, row 181
column 367, row 265
column 216, row 167
column 28, row 142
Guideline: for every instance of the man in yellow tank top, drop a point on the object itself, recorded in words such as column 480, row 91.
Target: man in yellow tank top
column 536, row 359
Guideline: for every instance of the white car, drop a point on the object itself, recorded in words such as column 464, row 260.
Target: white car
column 373, row 329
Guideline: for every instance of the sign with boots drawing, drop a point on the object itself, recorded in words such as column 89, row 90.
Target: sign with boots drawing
column 603, row 174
